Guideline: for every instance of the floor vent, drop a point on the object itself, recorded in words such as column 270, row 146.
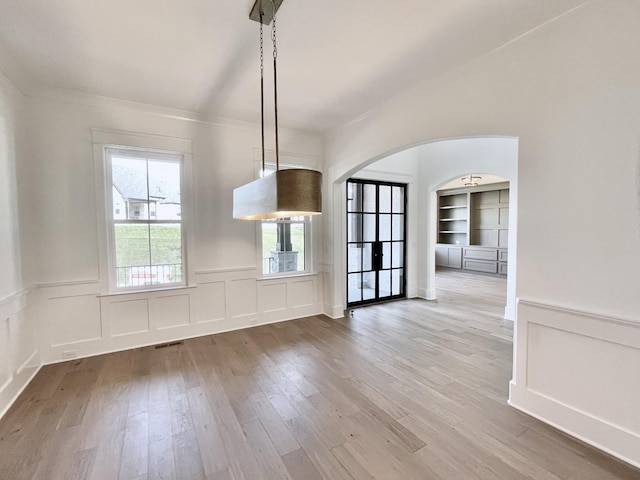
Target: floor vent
column 170, row 344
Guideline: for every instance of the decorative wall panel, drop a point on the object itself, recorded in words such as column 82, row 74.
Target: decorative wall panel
column 126, row 317
column 580, row 374
column 210, row 302
column 273, row 297
column 73, row 319
column 170, row 311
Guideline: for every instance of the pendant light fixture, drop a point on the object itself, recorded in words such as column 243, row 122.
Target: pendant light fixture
column 285, row 193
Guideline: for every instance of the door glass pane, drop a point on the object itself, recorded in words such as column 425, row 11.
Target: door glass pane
column 368, row 285
column 385, row 198
column 367, row 251
column 354, row 287
column 397, row 259
column 386, row 255
column 384, row 227
column 350, row 199
column 398, row 227
column 354, row 227
column 354, row 197
column 385, row 283
column 369, row 225
column 398, row 199
column 354, row 258
column 397, row 280
column 369, row 198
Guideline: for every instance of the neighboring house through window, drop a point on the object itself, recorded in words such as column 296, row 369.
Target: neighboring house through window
column 146, row 234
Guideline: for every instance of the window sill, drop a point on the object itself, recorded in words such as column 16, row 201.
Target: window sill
column 287, row 275
column 147, row 290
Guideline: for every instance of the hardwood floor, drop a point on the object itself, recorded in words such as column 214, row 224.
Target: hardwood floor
column 403, row 390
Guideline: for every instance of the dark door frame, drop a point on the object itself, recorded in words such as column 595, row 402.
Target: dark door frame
column 377, row 247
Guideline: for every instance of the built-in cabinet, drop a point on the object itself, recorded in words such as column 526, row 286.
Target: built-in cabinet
column 473, row 228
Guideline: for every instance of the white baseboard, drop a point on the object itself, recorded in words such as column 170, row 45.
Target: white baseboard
column 334, row 312
column 586, row 428
column 12, row 389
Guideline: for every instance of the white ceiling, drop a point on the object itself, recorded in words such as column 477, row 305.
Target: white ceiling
column 337, row 58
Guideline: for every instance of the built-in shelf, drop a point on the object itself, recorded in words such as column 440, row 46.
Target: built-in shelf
column 473, row 228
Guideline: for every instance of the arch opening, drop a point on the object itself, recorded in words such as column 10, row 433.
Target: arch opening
column 425, row 168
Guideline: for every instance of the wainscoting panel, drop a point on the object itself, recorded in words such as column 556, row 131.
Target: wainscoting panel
column 170, row 311
column 272, row 297
column 580, row 372
column 19, row 354
column 6, row 371
column 575, row 376
column 210, row 303
column 81, row 323
column 24, row 346
column 73, row 319
column 302, row 293
column 126, row 317
column 284, row 298
column 242, row 298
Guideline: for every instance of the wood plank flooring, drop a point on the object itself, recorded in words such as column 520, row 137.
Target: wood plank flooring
column 403, row 390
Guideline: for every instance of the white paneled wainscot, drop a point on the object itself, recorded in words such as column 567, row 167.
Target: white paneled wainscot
column 19, row 356
column 581, row 375
column 79, row 320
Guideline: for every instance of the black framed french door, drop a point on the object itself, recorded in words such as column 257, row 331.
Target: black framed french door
column 376, row 227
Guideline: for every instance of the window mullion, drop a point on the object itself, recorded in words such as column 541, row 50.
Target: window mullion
column 146, row 162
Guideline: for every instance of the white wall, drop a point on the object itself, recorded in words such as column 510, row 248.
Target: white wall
column 569, row 92
column 19, row 358
column 76, row 313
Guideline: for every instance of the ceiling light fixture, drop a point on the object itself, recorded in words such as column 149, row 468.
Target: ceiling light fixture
column 471, row 180
column 285, row 193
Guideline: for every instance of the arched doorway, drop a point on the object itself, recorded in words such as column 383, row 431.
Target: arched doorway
column 424, row 168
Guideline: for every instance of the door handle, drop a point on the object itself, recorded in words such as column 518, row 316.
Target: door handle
column 376, row 261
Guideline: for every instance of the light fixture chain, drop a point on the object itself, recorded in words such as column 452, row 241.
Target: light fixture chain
column 273, row 32
column 261, row 46
column 262, row 89
column 275, row 82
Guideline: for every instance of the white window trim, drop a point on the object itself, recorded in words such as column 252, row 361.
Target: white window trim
column 151, row 143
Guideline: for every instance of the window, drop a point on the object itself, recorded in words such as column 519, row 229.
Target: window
column 284, row 245
column 285, row 241
column 146, row 234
